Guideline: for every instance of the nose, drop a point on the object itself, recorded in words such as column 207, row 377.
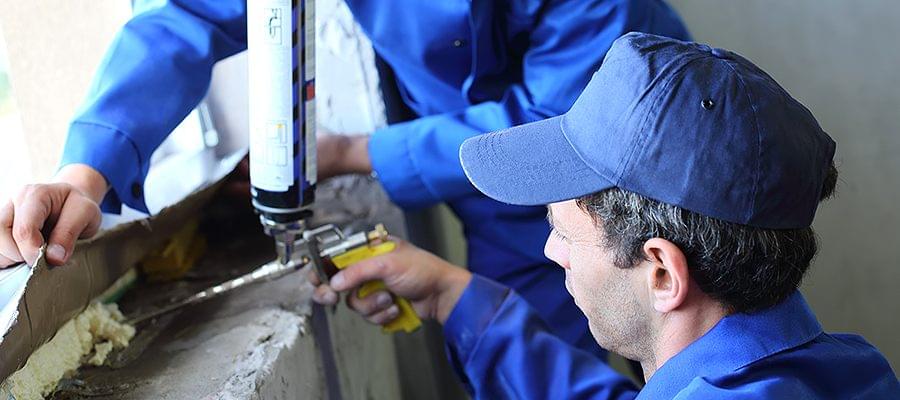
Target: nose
column 556, row 251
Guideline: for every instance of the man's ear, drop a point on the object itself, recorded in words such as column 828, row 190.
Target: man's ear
column 668, row 278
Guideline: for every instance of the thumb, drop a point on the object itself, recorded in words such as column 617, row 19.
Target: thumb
column 79, row 218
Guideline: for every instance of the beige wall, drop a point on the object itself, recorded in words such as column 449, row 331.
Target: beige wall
column 842, row 59
column 12, row 139
column 54, row 47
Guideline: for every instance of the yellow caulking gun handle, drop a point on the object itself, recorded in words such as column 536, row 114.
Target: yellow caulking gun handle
column 408, row 320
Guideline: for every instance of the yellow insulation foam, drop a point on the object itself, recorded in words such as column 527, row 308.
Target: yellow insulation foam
column 86, row 339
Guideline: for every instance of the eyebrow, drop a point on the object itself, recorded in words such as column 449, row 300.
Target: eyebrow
column 550, row 221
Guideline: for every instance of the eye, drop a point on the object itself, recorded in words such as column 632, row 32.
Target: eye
column 559, row 235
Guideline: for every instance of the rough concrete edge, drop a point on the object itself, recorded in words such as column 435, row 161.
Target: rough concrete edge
column 288, row 350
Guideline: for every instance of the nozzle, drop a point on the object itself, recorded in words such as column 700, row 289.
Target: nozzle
column 286, row 234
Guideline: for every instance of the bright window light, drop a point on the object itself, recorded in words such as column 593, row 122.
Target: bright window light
column 15, row 164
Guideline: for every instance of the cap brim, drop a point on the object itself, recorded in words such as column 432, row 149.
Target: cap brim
column 530, row 164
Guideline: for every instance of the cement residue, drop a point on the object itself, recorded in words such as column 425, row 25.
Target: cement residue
column 281, row 332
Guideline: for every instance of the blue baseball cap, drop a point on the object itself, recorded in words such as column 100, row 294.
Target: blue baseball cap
column 682, row 123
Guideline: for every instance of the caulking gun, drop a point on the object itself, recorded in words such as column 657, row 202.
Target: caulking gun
column 281, row 54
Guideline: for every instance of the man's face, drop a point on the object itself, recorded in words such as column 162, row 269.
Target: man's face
column 607, row 295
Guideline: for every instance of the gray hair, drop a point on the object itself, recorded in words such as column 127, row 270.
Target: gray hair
column 743, row 267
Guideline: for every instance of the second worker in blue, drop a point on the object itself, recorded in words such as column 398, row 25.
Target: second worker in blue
column 463, row 67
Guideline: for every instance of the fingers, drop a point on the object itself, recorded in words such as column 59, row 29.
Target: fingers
column 9, row 251
column 67, row 213
column 385, row 316
column 375, row 268
column 31, row 211
column 78, row 219
column 238, row 189
column 313, row 277
column 371, row 304
column 325, row 296
column 377, row 308
column 237, row 186
column 243, row 168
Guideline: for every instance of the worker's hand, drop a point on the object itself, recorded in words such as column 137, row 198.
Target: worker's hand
column 237, row 185
column 64, row 211
column 342, row 154
column 432, row 285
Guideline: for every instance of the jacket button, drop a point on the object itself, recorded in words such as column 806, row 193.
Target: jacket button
column 136, row 190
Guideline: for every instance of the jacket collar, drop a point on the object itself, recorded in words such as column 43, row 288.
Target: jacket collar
column 735, row 342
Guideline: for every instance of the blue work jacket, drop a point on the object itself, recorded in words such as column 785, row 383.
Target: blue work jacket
column 503, row 350
column 464, row 66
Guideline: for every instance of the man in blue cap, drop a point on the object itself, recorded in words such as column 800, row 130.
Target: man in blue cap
column 463, row 67
column 681, row 187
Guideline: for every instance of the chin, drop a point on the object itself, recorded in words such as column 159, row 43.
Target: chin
column 605, row 342
column 575, row 300
column 602, row 338
column 607, row 339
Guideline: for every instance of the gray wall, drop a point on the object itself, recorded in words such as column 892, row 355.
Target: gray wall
column 842, row 59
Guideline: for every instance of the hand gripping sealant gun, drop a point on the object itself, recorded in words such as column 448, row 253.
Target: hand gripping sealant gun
column 281, row 53
column 281, row 50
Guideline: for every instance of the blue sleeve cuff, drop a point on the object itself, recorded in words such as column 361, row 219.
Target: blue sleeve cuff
column 397, row 170
column 115, row 156
column 472, row 315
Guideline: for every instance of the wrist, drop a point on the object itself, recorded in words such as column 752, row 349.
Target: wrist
column 356, row 155
column 449, row 292
column 84, row 178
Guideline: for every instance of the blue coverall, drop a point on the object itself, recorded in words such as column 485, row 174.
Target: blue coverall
column 465, row 67
column 503, row 350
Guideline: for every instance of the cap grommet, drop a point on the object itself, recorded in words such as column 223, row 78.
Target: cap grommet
column 707, row 104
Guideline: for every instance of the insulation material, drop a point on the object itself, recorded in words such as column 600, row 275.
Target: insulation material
column 87, row 338
column 181, row 252
column 53, row 296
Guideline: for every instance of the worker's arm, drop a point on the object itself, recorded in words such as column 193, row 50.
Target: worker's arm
column 498, row 344
column 417, row 162
column 156, row 70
